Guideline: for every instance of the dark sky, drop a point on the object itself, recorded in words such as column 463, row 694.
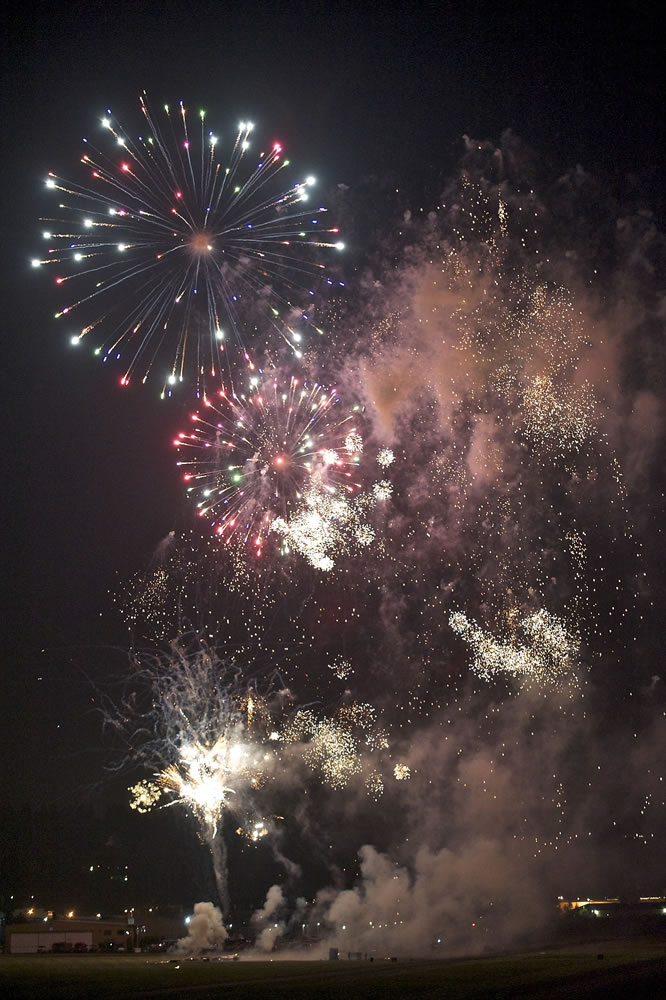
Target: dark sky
column 353, row 90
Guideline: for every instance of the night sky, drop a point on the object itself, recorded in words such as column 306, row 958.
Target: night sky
column 372, row 98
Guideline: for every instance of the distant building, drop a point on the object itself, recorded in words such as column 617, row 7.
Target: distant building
column 576, row 904
column 68, row 935
column 615, row 906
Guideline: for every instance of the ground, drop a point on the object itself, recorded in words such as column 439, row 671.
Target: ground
column 613, row 970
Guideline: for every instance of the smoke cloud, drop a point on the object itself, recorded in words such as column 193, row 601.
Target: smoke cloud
column 269, row 933
column 508, row 346
column 510, row 351
column 206, row 931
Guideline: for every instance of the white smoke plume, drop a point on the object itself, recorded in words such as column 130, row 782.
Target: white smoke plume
column 206, row 932
column 268, row 933
column 443, row 900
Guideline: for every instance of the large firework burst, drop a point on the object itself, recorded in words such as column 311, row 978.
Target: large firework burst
column 251, row 458
column 182, row 261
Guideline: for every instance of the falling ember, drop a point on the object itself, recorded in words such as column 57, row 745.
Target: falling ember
column 374, row 784
column 385, row 457
column 335, row 747
column 558, row 420
column 329, row 521
column 341, row 667
column 254, row 832
column 546, row 654
column 144, row 795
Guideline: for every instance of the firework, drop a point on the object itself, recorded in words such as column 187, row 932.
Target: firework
column 144, row 795
column 558, row 420
column 547, row 653
column 330, row 748
column 200, row 726
column 329, row 522
column 374, row 785
column 385, row 457
column 382, row 490
column 176, row 252
column 205, row 777
column 481, row 520
column 251, row 458
column 216, row 738
column 334, row 746
column 341, row 667
column 354, row 442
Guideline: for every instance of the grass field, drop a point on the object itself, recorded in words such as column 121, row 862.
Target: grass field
column 628, row 970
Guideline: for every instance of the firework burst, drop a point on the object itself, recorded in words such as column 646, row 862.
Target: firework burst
column 199, row 725
column 545, row 650
column 328, row 522
column 339, row 746
column 209, row 730
column 177, row 255
column 251, row 458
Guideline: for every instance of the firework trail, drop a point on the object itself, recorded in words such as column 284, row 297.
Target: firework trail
column 218, row 742
column 176, row 253
column 199, row 725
